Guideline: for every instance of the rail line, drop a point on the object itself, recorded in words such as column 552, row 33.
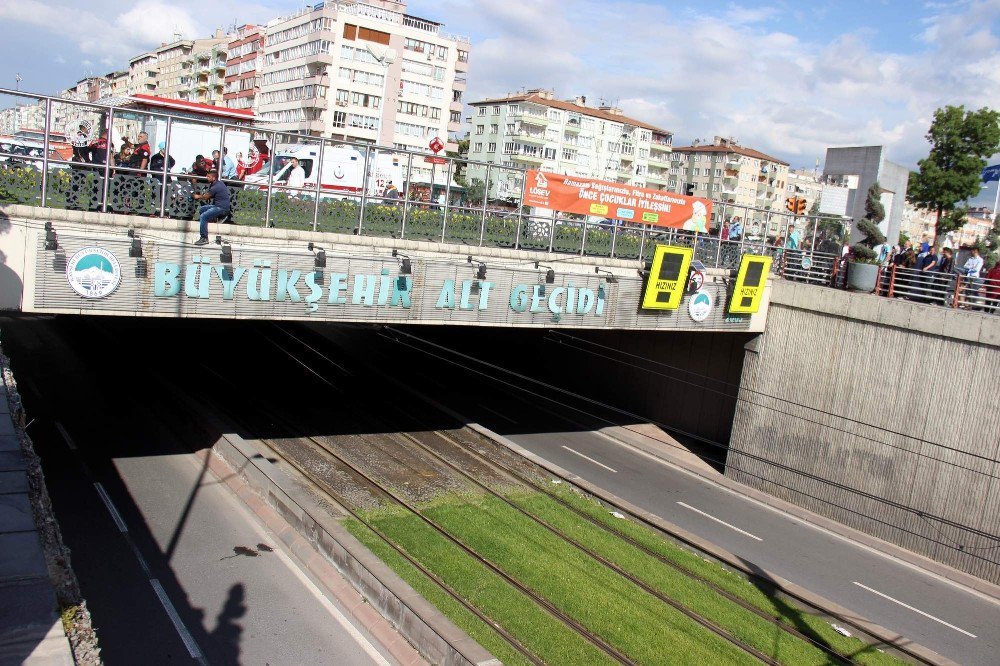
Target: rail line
column 503, row 469
column 543, row 603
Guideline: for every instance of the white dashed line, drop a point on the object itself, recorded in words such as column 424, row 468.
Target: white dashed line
column 915, row 610
column 600, row 464
column 721, row 522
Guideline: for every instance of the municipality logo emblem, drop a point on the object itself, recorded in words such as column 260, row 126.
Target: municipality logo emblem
column 700, row 305
column 93, row 272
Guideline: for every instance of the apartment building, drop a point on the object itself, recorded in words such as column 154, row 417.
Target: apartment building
column 534, row 130
column 728, row 172
column 142, row 74
column 244, row 61
column 365, row 72
column 188, row 69
column 804, row 184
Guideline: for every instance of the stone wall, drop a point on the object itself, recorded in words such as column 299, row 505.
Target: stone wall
column 881, row 414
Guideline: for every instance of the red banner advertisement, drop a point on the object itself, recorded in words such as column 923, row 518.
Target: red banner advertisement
column 586, row 196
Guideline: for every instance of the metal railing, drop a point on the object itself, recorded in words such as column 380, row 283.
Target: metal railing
column 952, row 290
column 431, row 204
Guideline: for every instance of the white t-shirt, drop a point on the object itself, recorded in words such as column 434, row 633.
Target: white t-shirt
column 297, row 178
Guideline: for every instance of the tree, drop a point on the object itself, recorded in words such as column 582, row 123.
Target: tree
column 989, row 248
column 960, row 143
column 864, row 250
column 459, row 169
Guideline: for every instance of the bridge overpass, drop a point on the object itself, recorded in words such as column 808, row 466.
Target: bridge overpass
column 337, row 248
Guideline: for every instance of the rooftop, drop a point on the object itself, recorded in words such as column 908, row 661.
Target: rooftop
column 729, row 148
column 535, row 98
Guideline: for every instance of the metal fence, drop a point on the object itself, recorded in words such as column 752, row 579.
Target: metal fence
column 933, row 287
column 486, row 211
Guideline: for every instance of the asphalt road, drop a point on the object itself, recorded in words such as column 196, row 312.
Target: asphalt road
column 938, row 614
column 173, row 566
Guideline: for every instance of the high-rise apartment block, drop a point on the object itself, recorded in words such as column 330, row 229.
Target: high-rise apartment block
column 728, row 172
column 364, row 72
column 188, row 69
column 535, row 130
column 243, row 67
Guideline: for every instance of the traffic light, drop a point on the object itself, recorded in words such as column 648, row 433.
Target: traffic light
column 796, row 205
column 689, row 189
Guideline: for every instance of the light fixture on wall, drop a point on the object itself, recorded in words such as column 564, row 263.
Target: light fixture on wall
column 611, row 277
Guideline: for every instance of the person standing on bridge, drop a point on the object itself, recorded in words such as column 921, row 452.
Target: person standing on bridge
column 296, row 175
column 218, row 194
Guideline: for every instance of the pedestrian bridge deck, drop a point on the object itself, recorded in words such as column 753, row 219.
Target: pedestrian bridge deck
column 261, row 272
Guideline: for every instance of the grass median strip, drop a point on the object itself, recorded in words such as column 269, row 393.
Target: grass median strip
column 542, row 634
column 811, row 625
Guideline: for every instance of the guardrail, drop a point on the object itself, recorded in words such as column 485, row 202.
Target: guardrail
column 952, row 290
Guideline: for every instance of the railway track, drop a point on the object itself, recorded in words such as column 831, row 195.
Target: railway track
column 383, row 491
column 776, row 621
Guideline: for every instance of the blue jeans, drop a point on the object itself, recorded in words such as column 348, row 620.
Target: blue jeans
column 207, row 214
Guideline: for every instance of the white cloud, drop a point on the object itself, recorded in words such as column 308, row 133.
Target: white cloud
column 735, row 73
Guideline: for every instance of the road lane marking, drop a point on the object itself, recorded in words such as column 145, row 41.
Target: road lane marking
column 495, row 412
column 721, row 522
column 117, row 517
column 591, row 460
column 915, row 610
column 65, row 435
column 186, row 636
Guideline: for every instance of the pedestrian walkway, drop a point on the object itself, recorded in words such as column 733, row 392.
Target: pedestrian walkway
column 30, row 629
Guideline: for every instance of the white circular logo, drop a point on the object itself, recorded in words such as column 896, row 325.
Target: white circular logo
column 807, row 262
column 699, row 305
column 338, row 172
column 80, row 132
column 94, row 272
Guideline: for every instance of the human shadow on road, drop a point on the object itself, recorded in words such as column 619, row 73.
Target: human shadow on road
column 226, row 636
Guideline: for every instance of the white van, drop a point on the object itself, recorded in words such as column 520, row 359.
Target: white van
column 342, row 171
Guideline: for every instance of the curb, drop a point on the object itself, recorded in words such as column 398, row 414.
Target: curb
column 880, row 633
column 391, row 612
column 967, row 581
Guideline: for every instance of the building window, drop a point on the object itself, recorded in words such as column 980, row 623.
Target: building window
column 494, row 128
column 478, row 147
column 456, row 117
column 511, row 128
column 482, row 111
column 496, row 110
column 550, row 153
column 718, row 173
column 339, row 118
column 480, row 129
column 456, row 96
column 493, row 147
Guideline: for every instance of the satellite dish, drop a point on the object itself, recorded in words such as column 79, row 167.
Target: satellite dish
column 383, row 54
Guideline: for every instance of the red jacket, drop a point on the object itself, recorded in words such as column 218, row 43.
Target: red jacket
column 993, row 281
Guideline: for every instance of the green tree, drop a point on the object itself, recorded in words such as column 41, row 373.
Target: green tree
column 989, row 248
column 461, row 154
column 960, row 143
column 864, row 251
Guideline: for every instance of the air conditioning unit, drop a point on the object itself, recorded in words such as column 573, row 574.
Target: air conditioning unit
column 430, row 56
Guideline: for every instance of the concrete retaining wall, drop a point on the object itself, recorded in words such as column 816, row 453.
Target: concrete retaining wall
column 914, row 467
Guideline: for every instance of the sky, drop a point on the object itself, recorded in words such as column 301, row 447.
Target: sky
column 789, row 78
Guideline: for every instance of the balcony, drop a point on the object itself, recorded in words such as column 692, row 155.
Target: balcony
column 660, row 159
column 732, row 165
column 530, row 159
column 532, row 119
column 538, row 139
column 573, row 125
column 657, row 177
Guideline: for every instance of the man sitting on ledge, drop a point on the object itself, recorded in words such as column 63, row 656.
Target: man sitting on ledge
column 218, row 194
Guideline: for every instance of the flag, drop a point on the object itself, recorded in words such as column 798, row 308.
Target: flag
column 991, row 173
